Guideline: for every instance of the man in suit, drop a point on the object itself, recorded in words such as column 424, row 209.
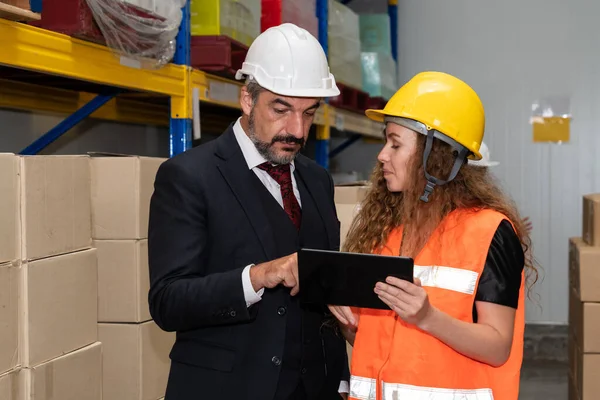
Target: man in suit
column 226, row 221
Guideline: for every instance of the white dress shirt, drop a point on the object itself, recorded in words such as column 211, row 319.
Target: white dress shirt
column 254, row 159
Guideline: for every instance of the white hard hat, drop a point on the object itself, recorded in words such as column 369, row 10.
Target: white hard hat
column 485, row 158
column 289, row 61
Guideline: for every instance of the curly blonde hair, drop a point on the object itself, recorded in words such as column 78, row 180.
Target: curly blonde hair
column 473, row 188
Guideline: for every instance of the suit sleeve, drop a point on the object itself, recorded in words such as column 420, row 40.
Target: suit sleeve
column 182, row 296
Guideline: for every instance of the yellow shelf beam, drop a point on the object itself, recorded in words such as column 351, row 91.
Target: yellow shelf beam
column 34, row 49
column 28, row 97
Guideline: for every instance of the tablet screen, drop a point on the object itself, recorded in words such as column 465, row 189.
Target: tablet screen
column 347, row 279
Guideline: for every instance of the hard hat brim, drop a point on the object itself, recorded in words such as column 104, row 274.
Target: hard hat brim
column 376, row 115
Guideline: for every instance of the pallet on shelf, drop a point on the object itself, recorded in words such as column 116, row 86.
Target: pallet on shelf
column 219, row 55
column 17, row 10
column 350, row 99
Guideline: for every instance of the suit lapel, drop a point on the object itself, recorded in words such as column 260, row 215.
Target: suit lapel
column 319, row 194
column 235, row 171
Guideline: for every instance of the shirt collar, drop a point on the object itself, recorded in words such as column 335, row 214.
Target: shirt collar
column 251, row 155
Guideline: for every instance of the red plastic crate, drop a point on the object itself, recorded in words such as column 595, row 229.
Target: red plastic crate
column 298, row 12
column 219, row 55
column 350, row 99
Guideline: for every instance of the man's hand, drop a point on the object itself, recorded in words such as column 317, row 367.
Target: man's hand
column 272, row 273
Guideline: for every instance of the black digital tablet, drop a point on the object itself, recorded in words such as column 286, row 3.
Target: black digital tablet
column 347, row 279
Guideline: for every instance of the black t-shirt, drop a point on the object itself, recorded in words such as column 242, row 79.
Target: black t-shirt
column 501, row 277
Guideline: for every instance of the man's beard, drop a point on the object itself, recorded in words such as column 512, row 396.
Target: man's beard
column 266, row 148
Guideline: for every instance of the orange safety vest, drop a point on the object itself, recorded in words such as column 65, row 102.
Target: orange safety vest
column 394, row 360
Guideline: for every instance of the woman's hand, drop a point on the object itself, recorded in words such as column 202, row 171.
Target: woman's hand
column 348, row 321
column 408, row 300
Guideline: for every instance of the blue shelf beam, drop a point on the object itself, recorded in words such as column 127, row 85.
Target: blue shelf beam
column 180, row 130
column 182, row 140
column 68, row 123
column 322, row 143
column 344, row 145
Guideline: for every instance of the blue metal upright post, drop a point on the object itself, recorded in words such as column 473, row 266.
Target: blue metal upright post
column 181, row 128
column 393, row 13
column 322, row 143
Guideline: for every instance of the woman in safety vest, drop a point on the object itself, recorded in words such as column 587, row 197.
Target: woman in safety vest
column 457, row 332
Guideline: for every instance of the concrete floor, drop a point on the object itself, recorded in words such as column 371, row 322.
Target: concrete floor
column 544, row 380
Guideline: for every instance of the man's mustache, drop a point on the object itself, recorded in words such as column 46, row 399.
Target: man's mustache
column 288, row 139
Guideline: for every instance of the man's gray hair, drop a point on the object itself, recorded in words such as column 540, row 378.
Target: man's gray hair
column 254, row 89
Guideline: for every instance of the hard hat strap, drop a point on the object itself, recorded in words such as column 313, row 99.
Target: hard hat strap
column 432, row 181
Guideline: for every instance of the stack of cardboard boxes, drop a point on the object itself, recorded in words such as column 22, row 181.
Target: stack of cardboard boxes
column 135, row 349
column 584, row 305
column 348, row 198
column 49, row 345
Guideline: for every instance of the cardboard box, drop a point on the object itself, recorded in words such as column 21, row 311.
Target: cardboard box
column 347, row 204
column 591, row 219
column 9, row 308
column 121, row 191
column 12, row 385
column 351, row 193
column 135, row 360
column 59, row 306
column 123, row 280
column 55, row 205
column 584, row 323
column 585, row 374
column 584, row 270
column 74, row 376
column 9, row 208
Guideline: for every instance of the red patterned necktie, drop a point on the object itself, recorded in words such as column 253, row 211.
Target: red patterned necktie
column 282, row 175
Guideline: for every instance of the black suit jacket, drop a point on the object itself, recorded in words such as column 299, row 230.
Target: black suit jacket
column 206, row 225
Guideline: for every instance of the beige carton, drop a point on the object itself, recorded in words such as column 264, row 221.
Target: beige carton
column 123, row 280
column 121, row 190
column 584, row 271
column 135, row 360
column 9, row 208
column 59, row 307
column 73, row 376
column 55, row 205
column 12, row 385
column 9, row 308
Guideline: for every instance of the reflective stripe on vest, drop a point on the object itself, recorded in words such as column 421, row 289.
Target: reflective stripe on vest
column 455, row 279
column 363, row 388
column 366, row 388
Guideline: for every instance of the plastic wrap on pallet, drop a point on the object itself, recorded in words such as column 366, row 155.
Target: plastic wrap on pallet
column 344, row 44
column 375, row 35
column 237, row 19
column 379, row 74
column 143, row 30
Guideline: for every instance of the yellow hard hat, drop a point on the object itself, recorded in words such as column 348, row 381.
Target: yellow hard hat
column 442, row 103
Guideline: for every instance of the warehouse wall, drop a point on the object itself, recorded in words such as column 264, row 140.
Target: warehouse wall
column 19, row 129
column 512, row 53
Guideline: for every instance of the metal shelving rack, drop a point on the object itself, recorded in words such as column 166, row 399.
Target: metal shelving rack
column 103, row 86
